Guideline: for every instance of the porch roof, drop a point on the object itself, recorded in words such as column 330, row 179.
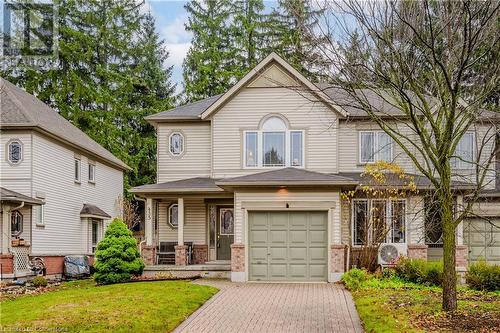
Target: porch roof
column 11, row 196
column 288, row 177
column 89, row 210
column 197, row 184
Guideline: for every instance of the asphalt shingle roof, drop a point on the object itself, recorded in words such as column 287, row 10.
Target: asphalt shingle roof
column 8, row 195
column 20, row 109
column 93, row 210
column 200, row 184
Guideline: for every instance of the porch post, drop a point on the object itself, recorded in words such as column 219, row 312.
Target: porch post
column 148, row 227
column 5, row 229
column 181, row 258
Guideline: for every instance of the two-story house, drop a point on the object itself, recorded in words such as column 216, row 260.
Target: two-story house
column 254, row 176
column 59, row 187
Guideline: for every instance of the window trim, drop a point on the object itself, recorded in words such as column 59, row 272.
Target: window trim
column 40, row 218
column 389, row 220
column 260, row 149
column 17, row 234
column 462, row 165
column 169, row 217
column 93, row 167
column 7, row 151
column 183, row 150
column 221, row 212
column 77, row 161
column 376, row 151
column 99, row 223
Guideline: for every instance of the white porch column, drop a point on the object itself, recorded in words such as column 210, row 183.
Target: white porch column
column 148, row 227
column 5, row 229
column 180, row 221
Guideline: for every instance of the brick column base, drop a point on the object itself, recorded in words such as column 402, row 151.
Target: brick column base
column 337, row 261
column 200, row 254
column 461, row 254
column 181, row 255
column 417, row 251
column 238, row 263
column 148, row 254
column 7, row 262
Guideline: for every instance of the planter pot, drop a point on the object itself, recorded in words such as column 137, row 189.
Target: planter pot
column 22, row 242
column 15, row 242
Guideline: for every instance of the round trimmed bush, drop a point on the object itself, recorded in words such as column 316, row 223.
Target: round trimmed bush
column 117, row 256
column 39, row 281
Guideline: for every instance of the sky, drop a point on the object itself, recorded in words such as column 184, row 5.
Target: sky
column 170, row 17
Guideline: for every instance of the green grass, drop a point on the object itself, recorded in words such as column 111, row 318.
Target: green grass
column 82, row 306
column 392, row 305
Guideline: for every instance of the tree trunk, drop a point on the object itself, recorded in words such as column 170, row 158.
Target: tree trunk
column 449, row 270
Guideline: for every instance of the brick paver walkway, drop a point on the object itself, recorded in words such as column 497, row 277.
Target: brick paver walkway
column 272, row 307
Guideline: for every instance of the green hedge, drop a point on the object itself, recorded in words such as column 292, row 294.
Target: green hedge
column 419, row 271
column 117, row 257
column 482, row 276
column 353, row 279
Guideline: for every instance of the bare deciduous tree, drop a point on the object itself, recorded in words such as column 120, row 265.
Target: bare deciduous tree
column 129, row 208
column 422, row 71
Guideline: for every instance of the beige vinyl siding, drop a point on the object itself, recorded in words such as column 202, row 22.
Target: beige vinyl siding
column 16, row 177
column 53, row 175
column 277, row 199
column 349, row 146
column 195, row 160
column 195, row 225
column 251, row 105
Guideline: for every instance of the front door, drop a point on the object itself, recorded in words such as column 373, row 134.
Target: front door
column 225, row 233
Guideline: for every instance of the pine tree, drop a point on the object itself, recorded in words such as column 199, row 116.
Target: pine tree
column 209, row 67
column 249, row 34
column 291, row 35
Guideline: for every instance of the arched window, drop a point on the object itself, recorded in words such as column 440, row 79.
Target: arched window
column 173, row 215
column 15, row 152
column 16, row 223
column 273, row 145
column 176, row 143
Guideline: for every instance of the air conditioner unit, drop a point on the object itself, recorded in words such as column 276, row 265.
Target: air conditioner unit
column 389, row 252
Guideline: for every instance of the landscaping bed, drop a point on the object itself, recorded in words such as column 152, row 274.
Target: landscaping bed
column 81, row 306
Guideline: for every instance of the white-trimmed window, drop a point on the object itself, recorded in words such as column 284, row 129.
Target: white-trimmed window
column 77, row 170
column 15, row 151
column 91, row 173
column 40, row 220
column 173, row 215
column 464, row 152
column 95, row 234
column 378, row 221
column 16, row 223
column 176, row 143
column 274, row 145
column 374, row 146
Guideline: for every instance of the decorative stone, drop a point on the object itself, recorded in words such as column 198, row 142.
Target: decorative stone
column 200, row 254
column 148, row 253
column 181, row 258
column 237, row 257
column 417, row 251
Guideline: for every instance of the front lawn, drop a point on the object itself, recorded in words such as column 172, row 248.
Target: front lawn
column 81, row 306
column 391, row 305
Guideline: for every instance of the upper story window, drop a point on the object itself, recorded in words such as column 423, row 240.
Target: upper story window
column 15, row 151
column 374, row 146
column 176, row 143
column 464, row 153
column 16, row 223
column 91, row 173
column 274, row 145
column 77, row 170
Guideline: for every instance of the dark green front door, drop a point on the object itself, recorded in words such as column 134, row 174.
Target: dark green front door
column 225, row 232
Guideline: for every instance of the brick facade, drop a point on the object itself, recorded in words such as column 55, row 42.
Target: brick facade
column 200, row 254
column 7, row 263
column 181, row 255
column 461, row 254
column 417, row 251
column 337, row 258
column 54, row 265
column 148, row 253
column 237, row 257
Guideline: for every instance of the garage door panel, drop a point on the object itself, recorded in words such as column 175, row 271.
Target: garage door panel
column 483, row 239
column 292, row 246
column 493, row 253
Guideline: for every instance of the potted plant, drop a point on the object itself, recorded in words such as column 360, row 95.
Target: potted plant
column 21, row 242
column 15, row 242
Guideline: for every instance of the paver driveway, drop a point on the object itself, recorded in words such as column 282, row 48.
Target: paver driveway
column 273, row 307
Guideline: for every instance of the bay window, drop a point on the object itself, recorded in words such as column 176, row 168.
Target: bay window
column 378, row 221
column 374, row 146
column 274, row 145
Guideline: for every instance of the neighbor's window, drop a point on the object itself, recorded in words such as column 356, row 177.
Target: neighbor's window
column 41, row 215
column 16, row 223
column 15, row 152
column 379, row 221
column 464, row 153
column 91, row 173
column 274, row 145
column 78, row 166
column 173, row 215
column 374, row 146
column 176, row 142
column 95, row 234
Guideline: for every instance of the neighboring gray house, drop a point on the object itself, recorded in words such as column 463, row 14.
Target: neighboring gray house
column 59, row 188
column 250, row 182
